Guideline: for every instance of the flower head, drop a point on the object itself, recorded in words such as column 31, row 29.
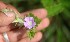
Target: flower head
column 29, row 22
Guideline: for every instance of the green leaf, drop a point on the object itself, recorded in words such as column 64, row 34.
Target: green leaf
column 31, row 33
column 66, row 32
column 51, row 38
column 50, row 30
column 66, row 14
column 65, row 3
column 52, row 8
column 59, row 35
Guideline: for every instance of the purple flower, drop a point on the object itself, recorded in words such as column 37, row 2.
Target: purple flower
column 29, row 22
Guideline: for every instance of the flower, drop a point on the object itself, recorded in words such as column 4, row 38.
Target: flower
column 29, row 22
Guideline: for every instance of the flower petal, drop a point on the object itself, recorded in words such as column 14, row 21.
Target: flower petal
column 26, row 19
column 31, row 18
column 29, row 27
column 25, row 24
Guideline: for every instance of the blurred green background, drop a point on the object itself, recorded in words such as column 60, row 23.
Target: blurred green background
column 58, row 13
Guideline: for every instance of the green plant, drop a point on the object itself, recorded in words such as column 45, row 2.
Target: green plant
column 58, row 13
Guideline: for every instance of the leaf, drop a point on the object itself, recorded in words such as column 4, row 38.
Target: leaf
column 66, row 32
column 51, row 38
column 50, row 30
column 66, row 14
column 59, row 34
column 52, row 8
column 65, row 3
column 31, row 33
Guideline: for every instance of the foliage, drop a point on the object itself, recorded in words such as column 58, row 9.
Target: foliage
column 58, row 13
column 36, row 19
column 32, row 31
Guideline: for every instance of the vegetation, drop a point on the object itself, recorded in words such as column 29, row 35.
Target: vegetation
column 58, row 13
